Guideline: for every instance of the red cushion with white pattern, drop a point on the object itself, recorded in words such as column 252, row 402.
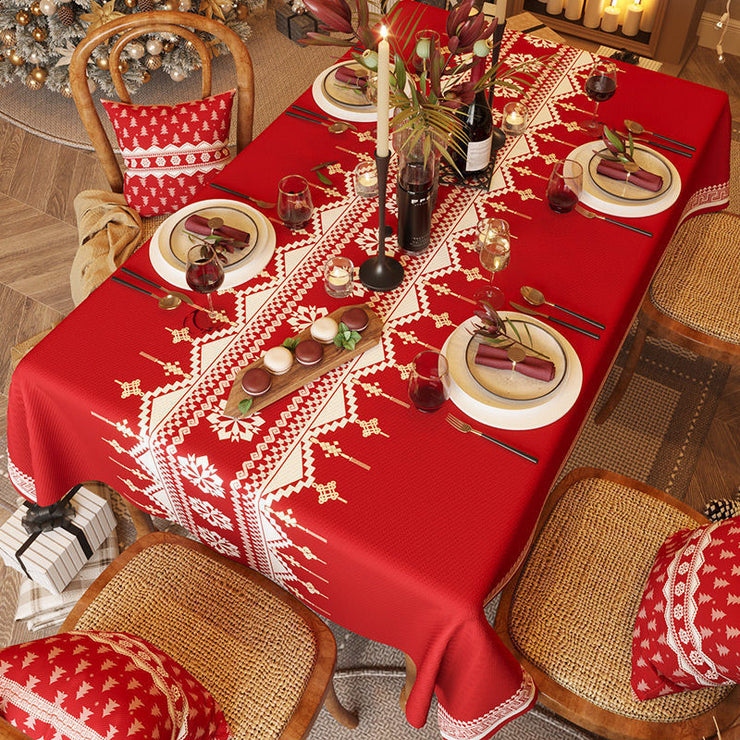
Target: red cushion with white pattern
column 103, row 686
column 170, row 151
column 687, row 631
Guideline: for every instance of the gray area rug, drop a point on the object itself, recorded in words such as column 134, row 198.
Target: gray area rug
column 680, row 389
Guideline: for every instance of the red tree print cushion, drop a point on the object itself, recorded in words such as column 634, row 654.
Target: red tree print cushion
column 93, row 685
column 170, row 151
column 687, row 630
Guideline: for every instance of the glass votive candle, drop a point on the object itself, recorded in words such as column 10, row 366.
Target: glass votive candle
column 338, row 276
column 516, row 118
column 366, row 180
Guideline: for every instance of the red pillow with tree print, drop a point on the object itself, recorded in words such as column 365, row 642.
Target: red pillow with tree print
column 687, row 630
column 85, row 685
column 170, row 151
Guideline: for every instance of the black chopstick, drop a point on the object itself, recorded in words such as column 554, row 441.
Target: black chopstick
column 142, row 278
column 303, row 118
column 673, row 141
column 132, row 286
column 295, row 107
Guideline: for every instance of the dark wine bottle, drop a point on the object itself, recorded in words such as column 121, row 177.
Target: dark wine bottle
column 415, row 205
column 477, row 131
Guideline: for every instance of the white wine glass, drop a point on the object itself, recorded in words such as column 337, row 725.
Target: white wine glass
column 494, row 248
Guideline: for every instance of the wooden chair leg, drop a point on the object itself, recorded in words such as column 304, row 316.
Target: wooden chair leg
column 410, row 679
column 626, row 376
column 142, row 521
column 339, row 712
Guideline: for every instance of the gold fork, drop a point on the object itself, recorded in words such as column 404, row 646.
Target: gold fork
column 464, row 427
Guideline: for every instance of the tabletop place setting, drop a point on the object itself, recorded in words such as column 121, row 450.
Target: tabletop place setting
column 423, row 269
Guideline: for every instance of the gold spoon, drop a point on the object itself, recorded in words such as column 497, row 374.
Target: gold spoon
column 637, row 129
column 167, row 302
column 537, row 298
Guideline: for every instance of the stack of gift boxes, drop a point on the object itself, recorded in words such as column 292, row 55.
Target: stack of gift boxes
column 293, row 20
column 52, row 550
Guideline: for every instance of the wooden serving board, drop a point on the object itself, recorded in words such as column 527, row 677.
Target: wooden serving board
column 300, row 375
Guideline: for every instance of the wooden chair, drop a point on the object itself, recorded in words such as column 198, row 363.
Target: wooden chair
column 269, row 660
column 693, row 299
column 131, row 27
column 568, row 614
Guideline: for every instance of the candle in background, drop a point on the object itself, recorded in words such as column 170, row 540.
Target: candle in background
column 554, row 7
column 632, row 19
column 573, row 9
column 383, row 93
column 501, row 10
column 592, row 14
column 610, row 19
column 650, row 8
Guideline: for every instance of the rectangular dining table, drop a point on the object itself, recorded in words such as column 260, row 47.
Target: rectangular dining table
column 381, row 518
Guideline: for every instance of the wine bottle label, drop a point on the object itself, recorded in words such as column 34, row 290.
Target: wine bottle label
column 479, row 154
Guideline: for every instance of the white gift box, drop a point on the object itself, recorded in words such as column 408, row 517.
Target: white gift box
column 52, row 559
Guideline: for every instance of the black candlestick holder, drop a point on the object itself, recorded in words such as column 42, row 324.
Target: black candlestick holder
column 381, row 273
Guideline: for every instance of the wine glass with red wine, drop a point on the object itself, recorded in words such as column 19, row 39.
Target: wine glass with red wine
column 601, row 84
column 294, row 204
column 204, row 272
column 429, row 382
column 565, row 185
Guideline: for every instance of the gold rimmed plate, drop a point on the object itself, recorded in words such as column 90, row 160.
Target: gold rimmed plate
column 513, row 386
column 624, row 190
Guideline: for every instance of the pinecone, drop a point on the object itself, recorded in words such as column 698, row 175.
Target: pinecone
column 718, row 509
column 66, row 13
column 146, row 5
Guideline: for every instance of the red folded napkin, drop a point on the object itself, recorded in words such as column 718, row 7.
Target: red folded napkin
column 641, row 178
column 351, row 77
column 199, row 225
column 532, row 367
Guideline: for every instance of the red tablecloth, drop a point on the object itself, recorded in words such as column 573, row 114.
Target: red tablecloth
column 406, row 550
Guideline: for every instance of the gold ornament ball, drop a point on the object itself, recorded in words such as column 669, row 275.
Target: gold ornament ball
column 23, row 17
column 36, row 8
column 16, row 59
column 67, row 91
column 242, row 12
column 130, row 3
column 102, row 62
column 168, row 47
column 170, row 5
column 35, row 82
column 39, row 34
column 39, row 74
column 146, row 77
column 153, row 63
column 7, row 37
column 122, row 66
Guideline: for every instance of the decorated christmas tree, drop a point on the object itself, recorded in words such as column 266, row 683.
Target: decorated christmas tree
column 37, row 40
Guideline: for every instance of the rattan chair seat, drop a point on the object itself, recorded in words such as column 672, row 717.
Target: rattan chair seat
column 246, row 646
column 698, row 282
column 573, row 610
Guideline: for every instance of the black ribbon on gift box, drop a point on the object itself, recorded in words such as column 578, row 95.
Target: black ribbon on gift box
column 40, row 519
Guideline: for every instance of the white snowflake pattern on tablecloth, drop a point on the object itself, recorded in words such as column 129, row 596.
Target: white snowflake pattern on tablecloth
column 200, row 472
column 211, row 514
column 218, row 543
column 514, row 59
column 304, row 316
column 235, row 430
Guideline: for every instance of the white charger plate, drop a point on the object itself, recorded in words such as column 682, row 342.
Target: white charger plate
column 469, row 396
column 604, row 202
column 329, row 98
column 165, row 250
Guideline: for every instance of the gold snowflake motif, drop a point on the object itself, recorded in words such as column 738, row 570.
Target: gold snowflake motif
column 570, row 106
column 328, row 492
column 405, row 370
column 170, row 368
column 99, row 15
column 365, row 135
column 290, row 559
column 373, row 390
column 440, row 320
column 121, row 426
column 550, row 158
column 289, row 520
column 371, row 427
column 180, row 335
column 528, row 195
column 527, row 171
column 130, row 388
column 444, row 290
column 308, row 554
column 549, row 137
column 334, row 169
column 408, row 336
column 572, row 126
column 332, row 449
column 472, row 274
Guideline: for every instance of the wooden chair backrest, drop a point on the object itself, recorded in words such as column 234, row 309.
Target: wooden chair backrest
column 129, row 28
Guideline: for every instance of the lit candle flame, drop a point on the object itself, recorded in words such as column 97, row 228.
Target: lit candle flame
column 383, row 31
column 614, row 3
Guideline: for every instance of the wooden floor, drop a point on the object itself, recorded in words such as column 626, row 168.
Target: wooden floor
column 39, row 179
